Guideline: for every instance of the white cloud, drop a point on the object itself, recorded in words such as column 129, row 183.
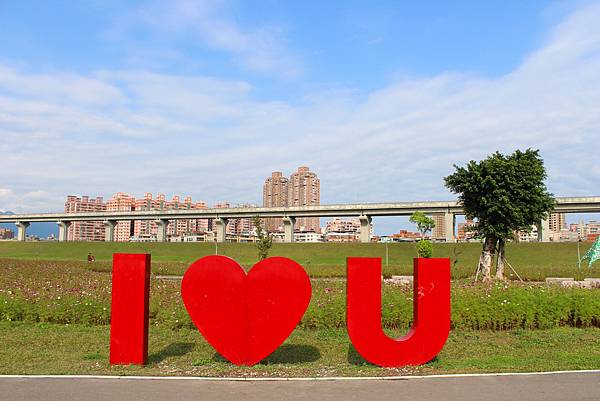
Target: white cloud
column 146, row 131
column 59, row 87
column 10, row 201
column 260, row 49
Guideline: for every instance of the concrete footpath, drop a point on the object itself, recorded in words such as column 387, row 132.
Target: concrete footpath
column 567, row 386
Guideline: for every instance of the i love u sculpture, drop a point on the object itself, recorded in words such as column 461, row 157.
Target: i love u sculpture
column 247, row 316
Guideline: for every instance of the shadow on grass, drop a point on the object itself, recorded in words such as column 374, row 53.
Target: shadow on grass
column 173, row 349
column 288, row 353
column 354, row 358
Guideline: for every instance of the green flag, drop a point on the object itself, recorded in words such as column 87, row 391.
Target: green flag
column 592, row 255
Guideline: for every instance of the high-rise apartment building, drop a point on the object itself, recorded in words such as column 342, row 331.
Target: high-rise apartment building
column 557, row 222
column 211, row 222
column 180, row 227
column 275, row 194
column 236, row 226
column 85, row 230
column 304, row 189
column 241, row 226
column 124, row 230
column 148, row 229
column 138, row 230
column 439, row 231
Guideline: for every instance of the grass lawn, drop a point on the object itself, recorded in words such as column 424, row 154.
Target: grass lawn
column 54, row 315
column 533, row 261
column 76, row 349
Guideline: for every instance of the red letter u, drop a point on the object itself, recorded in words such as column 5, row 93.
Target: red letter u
column 431, row 310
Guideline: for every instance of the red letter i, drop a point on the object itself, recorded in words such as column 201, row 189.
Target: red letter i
column 129, row 311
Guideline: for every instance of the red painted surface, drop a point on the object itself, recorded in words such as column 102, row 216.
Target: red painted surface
column 129, row 310
column 245, row 317
column 431, row 321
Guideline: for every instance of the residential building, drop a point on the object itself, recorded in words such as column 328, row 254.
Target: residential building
column 183, row 226
column 405, row 236
column 242, row 227
column 465, row 231
column 341, row 237
column 124, row 230
column 557, row 222
column 148, row 229
column 342, row 230
column 531, row 236
column 230, row 228
column 343, row 225
column 85, row 230
column 6, row 233
column 438, row 233
column 308, row 236
column 592, row 230
column 206, row 236
column 304, row 189
column 564, row 235
column 275, row 194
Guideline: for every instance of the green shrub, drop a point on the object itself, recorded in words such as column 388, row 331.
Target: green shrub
column 424, row 249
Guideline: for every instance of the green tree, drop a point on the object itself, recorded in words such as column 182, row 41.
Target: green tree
column 424, row 224
column 264, row 241
column 505, row 194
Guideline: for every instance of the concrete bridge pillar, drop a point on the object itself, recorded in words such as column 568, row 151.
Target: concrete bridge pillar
column 544, row 231
column 63, row 230
column 449, row 223
column 22, row 230
column 161, row 234
column 365, row 228
column 221, row 229
column 288, row 229
column 109, row 233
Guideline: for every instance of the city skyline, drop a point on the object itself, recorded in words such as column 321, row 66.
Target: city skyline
column 397, row 226
column 305, row 185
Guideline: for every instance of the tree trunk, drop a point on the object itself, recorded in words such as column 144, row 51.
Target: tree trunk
column 500, row 263
column 487, row 256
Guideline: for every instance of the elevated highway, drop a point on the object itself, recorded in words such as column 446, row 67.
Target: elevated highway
column 364, row 211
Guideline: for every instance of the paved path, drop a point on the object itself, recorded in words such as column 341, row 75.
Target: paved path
column 559, row 386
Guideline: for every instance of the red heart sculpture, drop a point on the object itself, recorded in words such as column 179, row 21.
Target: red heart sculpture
column 245, row 317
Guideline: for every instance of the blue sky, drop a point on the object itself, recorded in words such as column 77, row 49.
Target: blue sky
column 362, row 45
column 206, row 98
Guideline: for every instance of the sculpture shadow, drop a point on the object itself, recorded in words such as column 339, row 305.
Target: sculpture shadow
column 354, row 358
column 288, row 353
column 173, row 349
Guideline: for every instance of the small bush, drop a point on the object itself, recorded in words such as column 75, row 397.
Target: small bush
column 424, row 249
